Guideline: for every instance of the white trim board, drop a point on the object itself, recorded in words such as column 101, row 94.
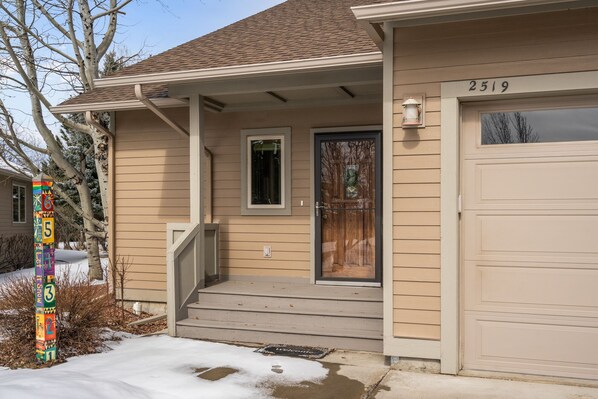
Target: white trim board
column 427, row 11
column 452, row 95
column 280, row 67
column 117, row 105
column 411, row 348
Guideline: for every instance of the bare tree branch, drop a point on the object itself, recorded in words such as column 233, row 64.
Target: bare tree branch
column 33, row 34
column 50, row 18
column 113, row 9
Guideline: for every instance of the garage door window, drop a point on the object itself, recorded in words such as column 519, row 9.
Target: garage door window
column 543, row 126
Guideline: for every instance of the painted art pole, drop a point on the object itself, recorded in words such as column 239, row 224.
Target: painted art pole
column 45, row 285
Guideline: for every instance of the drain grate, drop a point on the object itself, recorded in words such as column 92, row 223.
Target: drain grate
column 305, row 352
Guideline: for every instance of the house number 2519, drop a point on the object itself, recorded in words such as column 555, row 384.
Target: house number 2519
column 491, row 86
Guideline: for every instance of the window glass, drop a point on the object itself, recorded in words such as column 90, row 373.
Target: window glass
column 266, row 171
column 18, row 204
column 543, row 126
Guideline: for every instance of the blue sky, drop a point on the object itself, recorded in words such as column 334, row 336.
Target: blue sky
column 158, row 25
column 167, row 23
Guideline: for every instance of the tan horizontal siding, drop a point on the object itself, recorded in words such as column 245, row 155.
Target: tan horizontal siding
column 416, row 246
column 152, row 189
column 416, row 260
column 7, row 227
column 419, row 330
column 426, row 56
column 243, row 237
column 416, row 302
column 261, row 272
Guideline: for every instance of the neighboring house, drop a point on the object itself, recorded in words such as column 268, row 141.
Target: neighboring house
column 16, row 206
column 468, row 239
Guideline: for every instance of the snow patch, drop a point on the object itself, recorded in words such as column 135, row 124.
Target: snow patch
column 160, row 367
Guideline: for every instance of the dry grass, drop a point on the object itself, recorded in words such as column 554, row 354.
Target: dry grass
column 15, row 252
column 83, row 310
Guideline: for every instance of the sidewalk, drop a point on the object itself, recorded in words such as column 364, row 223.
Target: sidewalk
column 406, row 385
column 358, row 375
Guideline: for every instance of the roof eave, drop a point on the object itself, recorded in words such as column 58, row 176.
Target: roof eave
column 271, row 68
column 14, row 175
column 413, row 10
column 115, row 106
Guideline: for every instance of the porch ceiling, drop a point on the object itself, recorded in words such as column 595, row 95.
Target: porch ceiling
column 345, row 86
column 297, row 98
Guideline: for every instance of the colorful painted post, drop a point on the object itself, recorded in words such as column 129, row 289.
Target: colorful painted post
column 45, row 286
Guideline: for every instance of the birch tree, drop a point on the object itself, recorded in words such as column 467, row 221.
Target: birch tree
column 48, row 47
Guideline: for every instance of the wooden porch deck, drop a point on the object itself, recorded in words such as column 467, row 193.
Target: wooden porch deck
column 285, row 313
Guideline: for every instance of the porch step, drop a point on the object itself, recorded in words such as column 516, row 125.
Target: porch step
column 289, row 304
column 286, row 317
column 274, row 334
column 296, row 314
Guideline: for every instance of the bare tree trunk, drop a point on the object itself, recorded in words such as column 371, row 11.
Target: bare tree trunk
column 91, row 239
column 100, row 144
column 93, row 255
column 20, row 43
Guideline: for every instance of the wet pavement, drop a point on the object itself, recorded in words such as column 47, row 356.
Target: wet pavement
column 359, row 375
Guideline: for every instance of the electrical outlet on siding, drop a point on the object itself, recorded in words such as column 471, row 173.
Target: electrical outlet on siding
column 267, row 251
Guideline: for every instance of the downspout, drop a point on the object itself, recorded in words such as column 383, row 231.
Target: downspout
column 375, row 31
column 159, row 113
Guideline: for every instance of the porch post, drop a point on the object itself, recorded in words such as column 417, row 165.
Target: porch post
column 196, row 176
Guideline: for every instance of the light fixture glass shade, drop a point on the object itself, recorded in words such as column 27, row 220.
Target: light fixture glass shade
column 411, row 113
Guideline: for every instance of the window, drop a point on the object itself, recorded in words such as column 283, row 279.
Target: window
column 266, row 171
column 18, row 204
column 541, row 126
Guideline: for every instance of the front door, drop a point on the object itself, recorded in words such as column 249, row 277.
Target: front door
column 348, row 207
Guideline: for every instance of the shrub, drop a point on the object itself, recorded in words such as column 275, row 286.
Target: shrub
column 82, row 310
column 16, row 252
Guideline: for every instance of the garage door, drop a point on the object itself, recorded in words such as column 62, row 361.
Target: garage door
column 529, row 227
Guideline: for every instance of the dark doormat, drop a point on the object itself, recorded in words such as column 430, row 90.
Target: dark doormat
column 305, row 352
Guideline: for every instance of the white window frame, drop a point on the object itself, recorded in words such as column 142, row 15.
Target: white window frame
column 24, row 220
column 278, row 133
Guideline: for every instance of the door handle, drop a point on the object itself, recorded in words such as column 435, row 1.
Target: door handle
column 318, row 207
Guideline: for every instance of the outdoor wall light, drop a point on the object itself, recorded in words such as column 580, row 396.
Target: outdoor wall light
column 412, row 113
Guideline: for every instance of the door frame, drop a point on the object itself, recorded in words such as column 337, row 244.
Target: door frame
column 453, row 95
column 312, row 187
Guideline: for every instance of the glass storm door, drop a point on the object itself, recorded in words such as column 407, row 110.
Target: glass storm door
column 348, row 207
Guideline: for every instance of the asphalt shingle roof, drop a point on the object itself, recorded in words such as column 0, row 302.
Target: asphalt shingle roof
column 293, row 30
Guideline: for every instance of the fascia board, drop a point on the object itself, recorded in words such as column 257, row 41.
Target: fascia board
column 14, row 175
column 116, row 105
column 424, row 9
column 245, row 70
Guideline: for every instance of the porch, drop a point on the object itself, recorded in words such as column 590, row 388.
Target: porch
column 256, row 311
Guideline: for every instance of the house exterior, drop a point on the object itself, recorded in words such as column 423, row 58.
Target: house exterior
column 16, row 224
column 279, row 147
column 16, row 208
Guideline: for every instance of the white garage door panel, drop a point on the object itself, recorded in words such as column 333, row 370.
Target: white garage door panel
column 532, row 346
column 574, row 235
column 539, row 184
column 529, row 236
column 519, row 181
column 548, row 291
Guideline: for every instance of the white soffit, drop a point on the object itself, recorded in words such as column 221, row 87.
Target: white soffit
column 271, row 68
column 447, row 10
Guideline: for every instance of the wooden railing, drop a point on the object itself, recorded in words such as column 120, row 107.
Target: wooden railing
column 185, row 274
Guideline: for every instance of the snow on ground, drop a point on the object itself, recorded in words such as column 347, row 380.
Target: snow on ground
column 72, row 262
column 160, row 367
